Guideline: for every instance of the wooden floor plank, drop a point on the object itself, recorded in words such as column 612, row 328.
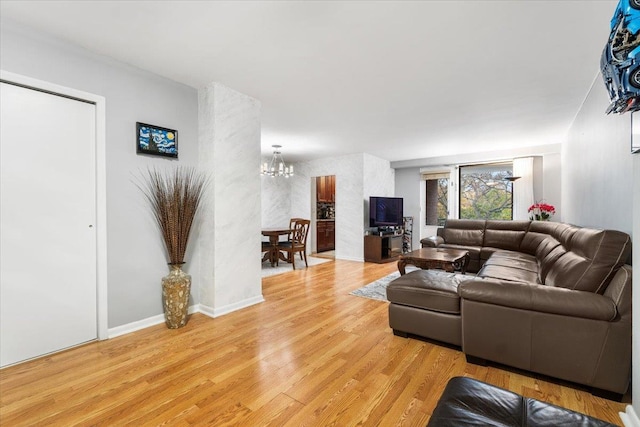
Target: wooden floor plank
column 311, row 354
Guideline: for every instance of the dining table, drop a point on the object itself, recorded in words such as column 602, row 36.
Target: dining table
column 274, row 236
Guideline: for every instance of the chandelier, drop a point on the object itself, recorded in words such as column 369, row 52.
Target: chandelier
column 277, row 167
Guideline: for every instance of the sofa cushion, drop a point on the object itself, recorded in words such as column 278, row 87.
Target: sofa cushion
column 500, row 224
column 531, row 241
column 464, row 232
column 549, row 260
column 594, row 258
column 430, row 289
column 505, row 234
column 515, row 255
column 545, row 247
column 508, row 272
column 544, row 227
column 514, row 259
column 488, row 253
column 503, row 239
column 431, row 242
column 463, row 237
column 563, row 233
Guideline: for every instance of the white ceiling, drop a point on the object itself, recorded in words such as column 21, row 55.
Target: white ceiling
column 399, row 80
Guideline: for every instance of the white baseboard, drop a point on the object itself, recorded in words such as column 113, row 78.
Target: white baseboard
column 135, row 326
column 215, row 312
column 142, row 324
column 207, row 311
column 196, row 308
column 629, row 417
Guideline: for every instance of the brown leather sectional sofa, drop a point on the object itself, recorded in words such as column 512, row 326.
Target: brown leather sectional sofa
column 548, row 297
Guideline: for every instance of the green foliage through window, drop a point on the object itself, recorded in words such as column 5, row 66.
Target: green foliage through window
column 484, row 192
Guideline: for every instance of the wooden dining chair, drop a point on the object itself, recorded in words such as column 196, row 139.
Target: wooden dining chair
column 298, row 242
column 292, row 225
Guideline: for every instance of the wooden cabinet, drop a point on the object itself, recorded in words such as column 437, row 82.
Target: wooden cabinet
column 331, row 235
column 321, row 239
column 326, row 236
column 382, row 248
column 326, row 189
column 332, row 187
column 325, row 196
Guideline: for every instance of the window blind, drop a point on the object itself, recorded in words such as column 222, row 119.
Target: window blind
column 434, row 175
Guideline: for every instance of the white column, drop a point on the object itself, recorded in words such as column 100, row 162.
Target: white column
column 229, row 235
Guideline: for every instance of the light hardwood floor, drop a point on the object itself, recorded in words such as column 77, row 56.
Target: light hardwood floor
column 311, row 355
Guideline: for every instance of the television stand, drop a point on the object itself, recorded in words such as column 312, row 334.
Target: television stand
column 381, row 249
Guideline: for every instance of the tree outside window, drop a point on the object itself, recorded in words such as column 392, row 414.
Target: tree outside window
column 484, row 192
column 437, row 197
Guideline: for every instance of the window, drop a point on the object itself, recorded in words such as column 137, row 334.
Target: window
column 484, row 192
column 437, row 197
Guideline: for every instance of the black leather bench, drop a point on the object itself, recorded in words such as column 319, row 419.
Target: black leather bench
column 469, row 402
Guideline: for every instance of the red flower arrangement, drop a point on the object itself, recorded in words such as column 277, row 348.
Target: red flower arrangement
column 541, row 212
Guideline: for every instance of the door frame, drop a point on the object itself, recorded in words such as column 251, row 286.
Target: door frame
column 101, row 181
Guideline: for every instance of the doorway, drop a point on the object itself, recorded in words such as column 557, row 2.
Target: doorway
column 325, row 216
column 49, row 217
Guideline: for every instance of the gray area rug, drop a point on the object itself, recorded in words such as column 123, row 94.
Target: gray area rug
column 378, row 290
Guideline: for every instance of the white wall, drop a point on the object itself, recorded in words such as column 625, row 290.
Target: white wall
column 550, row 184
column 136, row 258
column 275, row 192
column 378, row 179
column 597, row 170
column 412, row 190
column 601, row 187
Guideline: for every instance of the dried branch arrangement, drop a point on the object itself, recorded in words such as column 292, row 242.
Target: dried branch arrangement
column 174, row 197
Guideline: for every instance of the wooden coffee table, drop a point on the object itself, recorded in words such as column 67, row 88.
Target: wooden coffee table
column 445, row 259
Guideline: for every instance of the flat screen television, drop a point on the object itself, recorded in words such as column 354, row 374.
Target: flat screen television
column 385, row 212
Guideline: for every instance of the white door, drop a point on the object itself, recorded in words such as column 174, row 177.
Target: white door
column 48, row 297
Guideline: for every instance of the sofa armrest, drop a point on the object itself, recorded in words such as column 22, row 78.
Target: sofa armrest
column 540, row 298
column 432, row 242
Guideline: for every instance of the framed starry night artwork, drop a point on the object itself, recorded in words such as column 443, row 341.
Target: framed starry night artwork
column 156, row 140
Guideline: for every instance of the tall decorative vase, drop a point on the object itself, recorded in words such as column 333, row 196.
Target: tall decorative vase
column 176, row 287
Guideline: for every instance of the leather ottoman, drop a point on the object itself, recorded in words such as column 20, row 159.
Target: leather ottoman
column 426, row 303
column 469, row 402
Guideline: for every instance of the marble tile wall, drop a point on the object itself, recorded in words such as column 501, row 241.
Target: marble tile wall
column 379, row 180
column 229, row 139
column 276, row 200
